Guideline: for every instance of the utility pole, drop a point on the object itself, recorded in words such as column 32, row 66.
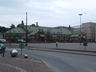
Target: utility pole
column 80, row 26
column 26, row 31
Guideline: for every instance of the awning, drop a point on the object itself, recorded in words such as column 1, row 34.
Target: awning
column 76, row 35
column 42, row 35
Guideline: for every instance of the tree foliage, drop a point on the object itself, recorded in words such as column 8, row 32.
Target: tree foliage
column 21, row 25
column 33, row 25
column 22, row 22
column 12, row 26
column 3, row 29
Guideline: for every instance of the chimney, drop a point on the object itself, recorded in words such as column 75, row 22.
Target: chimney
column 37, row 24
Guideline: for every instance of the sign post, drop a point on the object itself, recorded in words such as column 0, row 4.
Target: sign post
column 21, row 45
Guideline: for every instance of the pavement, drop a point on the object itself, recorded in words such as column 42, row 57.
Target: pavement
column 21, row 64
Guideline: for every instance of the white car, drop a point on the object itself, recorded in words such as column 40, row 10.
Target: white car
column 21, row 40
column 2, row 40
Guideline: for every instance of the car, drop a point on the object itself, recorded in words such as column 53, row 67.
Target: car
column 2, row 40
column 21, row 40
column 2, row 48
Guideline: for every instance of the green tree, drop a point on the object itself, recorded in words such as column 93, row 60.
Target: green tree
column 33, row 25
column 21, row 25
column 22, row 22
column 12, row 26
column 3, row 29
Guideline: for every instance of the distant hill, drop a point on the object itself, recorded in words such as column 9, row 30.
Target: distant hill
column 77, row 26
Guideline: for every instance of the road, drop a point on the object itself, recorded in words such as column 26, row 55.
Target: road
column 63, row 62
column 74, row 46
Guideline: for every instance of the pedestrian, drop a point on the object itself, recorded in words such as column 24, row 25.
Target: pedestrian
column 56, row 44
column 85, row 43
column 3, row 51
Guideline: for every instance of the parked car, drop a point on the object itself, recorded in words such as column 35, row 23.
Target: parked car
column 21, row 40
column 2, row 48
column 2, row 40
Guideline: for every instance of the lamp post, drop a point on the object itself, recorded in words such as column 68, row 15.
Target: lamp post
column 80, row 27
column 61, row 35
column 26, row 29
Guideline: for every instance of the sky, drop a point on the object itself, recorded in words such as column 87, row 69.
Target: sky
column 49, row 13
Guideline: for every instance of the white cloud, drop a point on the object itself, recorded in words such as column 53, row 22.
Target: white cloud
column 62, row 4
column 47, row 12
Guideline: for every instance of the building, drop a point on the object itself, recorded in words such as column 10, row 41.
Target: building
column 76, row 30
column 89, row 29
column 14, row 34
column 39, row 34
column 1, row 35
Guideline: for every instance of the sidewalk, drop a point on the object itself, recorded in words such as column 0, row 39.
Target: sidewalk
column 20, row 64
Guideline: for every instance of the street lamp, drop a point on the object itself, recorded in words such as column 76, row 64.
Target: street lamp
column 26, row 30
column 80, row 27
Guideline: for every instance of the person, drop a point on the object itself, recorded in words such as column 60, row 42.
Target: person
column 85, row 43
column 56, row 44
column 3, row 51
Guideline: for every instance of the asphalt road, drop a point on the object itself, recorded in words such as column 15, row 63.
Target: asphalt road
column 63, row 62
column 74, row 46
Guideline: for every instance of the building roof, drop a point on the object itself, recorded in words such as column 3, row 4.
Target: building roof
column 89, row 23
column 75, row 35
column 34, row 29
column 60, row 31
column 16, row 30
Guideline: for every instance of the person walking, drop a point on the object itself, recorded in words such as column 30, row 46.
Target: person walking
column 56, row 44
column 3, row 51
column 85, row 43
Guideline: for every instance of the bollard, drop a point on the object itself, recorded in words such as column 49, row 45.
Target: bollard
column 25, row 56
column 14, row 53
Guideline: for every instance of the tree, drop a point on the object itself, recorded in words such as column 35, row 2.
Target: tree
column 22, row 22
column 3, row 29
column 33, row 25
column 12, row 26
column 21, row 25
column 69, row 27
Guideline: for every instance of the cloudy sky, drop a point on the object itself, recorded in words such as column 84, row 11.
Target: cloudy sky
column 47, row 12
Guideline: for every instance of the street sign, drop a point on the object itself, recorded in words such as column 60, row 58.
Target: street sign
column 21, row 45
